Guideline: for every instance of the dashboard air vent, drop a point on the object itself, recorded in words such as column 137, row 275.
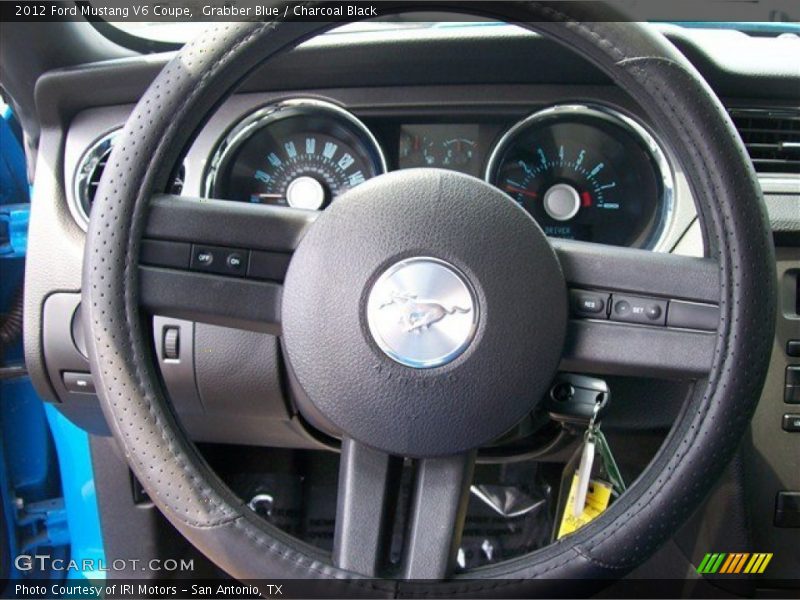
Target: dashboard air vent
column 772, row 137
column 90, row 170
column 93, row 180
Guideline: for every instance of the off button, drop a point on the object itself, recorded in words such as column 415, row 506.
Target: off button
column 205, row 258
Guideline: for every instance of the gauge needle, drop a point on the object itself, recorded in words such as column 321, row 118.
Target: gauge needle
column 518, row 190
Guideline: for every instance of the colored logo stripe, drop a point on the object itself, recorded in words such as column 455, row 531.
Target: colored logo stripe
column 758, row 563
column 730, row 561
column 711, row 563
column 734, row 563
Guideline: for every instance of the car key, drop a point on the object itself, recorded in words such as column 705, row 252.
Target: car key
column 584, row 473
column 588, row 496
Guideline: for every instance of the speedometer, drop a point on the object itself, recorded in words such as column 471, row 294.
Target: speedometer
column 300, row 153
column 587, row 173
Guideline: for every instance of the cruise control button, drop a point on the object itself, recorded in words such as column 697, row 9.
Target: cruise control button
column 220, row 260
column 203, row 258
column 589, row 304
column 636, row 309
column 622, row 308
column 653, row 312
column 235, row 262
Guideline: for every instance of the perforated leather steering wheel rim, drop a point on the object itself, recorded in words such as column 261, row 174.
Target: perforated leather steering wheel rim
column 689, row 118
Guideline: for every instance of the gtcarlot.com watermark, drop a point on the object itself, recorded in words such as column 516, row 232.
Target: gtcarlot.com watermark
column 45, row 563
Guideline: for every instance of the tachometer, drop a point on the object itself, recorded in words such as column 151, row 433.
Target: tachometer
column 300, row 153
column 586, row 173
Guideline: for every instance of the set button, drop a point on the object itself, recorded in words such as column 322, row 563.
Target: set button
column 635, row 309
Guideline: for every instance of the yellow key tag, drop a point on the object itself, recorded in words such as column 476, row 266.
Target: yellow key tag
column 598, row 497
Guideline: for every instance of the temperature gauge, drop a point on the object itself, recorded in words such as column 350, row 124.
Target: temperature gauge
column 442, row 146
column 458, row 152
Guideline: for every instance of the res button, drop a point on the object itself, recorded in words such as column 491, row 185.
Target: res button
column 589, row 304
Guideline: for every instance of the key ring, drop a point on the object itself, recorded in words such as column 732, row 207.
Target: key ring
column 595, row 412
column 593, row 426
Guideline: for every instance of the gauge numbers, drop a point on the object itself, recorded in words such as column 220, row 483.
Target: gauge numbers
column 585, row 174
column 307, row 171
column 299, row 153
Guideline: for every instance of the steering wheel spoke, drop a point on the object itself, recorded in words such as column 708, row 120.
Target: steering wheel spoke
column 369, row 481
column 369, row 486
column 218, row 262
column 678, row 342
column 438, row 510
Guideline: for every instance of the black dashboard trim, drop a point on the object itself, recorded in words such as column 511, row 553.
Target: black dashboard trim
column 469, row 57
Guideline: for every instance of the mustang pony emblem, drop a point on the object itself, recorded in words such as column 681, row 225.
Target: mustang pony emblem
column 417, row 315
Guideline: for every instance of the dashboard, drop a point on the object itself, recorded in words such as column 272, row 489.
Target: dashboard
column 590, row 171
column 580, row 157
column 583, row 172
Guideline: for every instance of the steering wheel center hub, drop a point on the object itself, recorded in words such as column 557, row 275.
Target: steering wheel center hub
column 423, row 314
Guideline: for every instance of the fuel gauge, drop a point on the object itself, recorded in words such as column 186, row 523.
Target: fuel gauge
column 458, row 152
column 416, row 150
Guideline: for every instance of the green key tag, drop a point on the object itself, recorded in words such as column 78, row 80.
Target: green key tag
column 588, row 485
column 609, row 465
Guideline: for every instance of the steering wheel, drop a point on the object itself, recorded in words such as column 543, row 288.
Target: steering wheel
column 433, row 392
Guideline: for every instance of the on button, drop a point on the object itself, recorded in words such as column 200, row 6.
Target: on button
column 235, row 262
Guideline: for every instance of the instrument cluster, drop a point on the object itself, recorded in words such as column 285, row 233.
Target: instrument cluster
column 585, row 172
